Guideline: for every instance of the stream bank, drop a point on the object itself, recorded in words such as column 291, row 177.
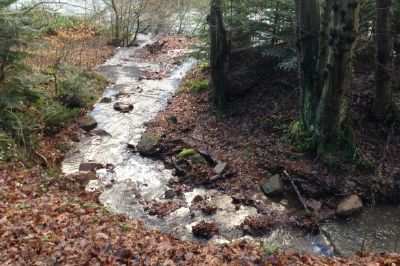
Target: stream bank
column 140, row 187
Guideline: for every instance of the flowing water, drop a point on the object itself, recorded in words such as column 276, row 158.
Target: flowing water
column 136, row 181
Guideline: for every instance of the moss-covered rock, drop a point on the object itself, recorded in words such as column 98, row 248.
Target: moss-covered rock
column 148, row 145
column 186, row 153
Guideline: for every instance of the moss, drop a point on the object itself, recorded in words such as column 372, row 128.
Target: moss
column 186, row 153
column 194, row 85
column 247, row 152
column 299, row 138
column 199, row 85
column 204, row 65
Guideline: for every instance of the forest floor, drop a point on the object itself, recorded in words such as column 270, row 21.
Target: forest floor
column 47, row 219
column 257, row 137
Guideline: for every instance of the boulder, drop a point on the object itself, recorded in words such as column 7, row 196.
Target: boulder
column 273, row 187
column 147, row 145
column 349, row 206
column 88, row 123
column 88, row 167
column 123, row 107
column 106, row 100
column 220, row 168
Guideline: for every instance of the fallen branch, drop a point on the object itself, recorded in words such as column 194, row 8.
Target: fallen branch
column 43, row 158
column 298, row 194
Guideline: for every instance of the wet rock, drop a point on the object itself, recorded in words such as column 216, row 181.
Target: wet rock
column 349, row 206
column 123, row 107
column 273, row 187
column 88, row 123
column 205, row 230
column 106, row 100
column 88, row 167
column 100, row 132
column 147, row 145
column 82, row 177
column 220, row 168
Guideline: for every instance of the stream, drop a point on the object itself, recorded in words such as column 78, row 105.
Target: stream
column 136, row 181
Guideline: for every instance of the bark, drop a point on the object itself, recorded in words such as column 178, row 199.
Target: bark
column 275, row 27
column 308, row 43
column 333, row 106
column 219, row 52
column 383, row 65
column 324, row 38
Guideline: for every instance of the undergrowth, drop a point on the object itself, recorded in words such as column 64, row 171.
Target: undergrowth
column 333, row 156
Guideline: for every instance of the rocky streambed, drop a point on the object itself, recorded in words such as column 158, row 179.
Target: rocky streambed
column 141, row 187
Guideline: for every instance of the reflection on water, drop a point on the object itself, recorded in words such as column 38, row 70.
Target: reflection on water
column 375, row 229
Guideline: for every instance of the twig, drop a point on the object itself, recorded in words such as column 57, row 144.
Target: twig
column 296, row 189
column 42, row 157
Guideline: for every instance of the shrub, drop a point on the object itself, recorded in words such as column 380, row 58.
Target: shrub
column 56, row 116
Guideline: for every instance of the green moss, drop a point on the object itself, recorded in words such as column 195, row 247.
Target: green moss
column 186, row 153
column 247, row 152
column 203, row 65
column 299, row 138
column 199, row 85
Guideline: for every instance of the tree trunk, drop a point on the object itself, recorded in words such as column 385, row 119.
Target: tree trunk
column 333, row 106
column 383, row 63
column 308, row 43
column 219, row 52
column 275, row 27
column 326, row 23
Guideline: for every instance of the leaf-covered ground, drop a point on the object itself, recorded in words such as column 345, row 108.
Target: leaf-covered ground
column 47, row 219
column 256, row 136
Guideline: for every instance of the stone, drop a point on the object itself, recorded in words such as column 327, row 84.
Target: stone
column 220, row 168
column 88, row 123
column 82, row 177
column 274, row 186
column 147, row 145
column 132, row 145
column 349, row 206
column 88, row 167
column 123, row 107
column 106, row 100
